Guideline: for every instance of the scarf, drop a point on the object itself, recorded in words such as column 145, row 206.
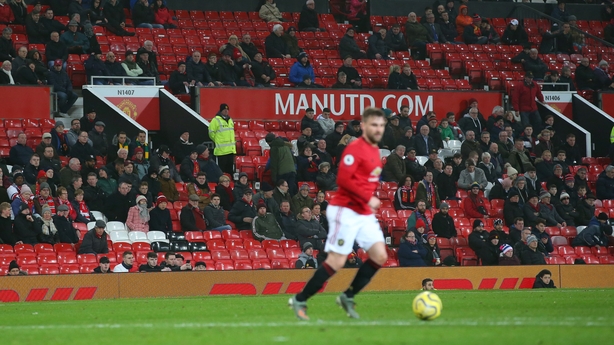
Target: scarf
column 49, row 202
column 201, row 190
column 534, row 207
column 430, row 193
column 407, row 195
column 195, row 169
column 49, row 228
column 231, row 196
column 549, row 206
column 12, row 81
column 251, row 203
column 143, row 212
column 84, row 210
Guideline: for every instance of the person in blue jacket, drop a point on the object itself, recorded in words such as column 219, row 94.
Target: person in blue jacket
column 411, row 251
column 301, row 68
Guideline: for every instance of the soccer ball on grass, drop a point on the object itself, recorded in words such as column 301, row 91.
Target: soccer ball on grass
column 427, row 306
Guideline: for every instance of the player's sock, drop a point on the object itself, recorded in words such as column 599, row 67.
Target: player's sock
column 316, row 282
column 363, row 277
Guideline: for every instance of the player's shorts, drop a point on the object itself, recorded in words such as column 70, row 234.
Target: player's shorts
column 347, row 226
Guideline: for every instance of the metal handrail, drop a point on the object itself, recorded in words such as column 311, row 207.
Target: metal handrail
column 542, row 83
column 122, row 78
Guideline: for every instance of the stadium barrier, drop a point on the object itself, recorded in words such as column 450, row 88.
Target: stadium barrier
column 345, row 105
column 20, row 102
column 270, row 282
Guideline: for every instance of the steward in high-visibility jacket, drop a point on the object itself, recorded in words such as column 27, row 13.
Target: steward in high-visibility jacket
column 222, row 132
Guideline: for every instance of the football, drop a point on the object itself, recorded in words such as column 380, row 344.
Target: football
column 427, row 306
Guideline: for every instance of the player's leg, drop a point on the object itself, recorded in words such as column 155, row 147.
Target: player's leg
column 371, row 238
column 342, row 232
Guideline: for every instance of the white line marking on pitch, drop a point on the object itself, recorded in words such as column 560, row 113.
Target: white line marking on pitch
column 319, row 323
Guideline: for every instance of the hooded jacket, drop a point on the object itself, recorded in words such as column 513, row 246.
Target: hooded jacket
column 298, row 70
column 462, row 20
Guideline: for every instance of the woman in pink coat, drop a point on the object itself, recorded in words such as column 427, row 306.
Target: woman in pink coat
column 138, row 215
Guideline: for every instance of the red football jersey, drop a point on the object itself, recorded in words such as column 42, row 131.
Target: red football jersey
column 358, row 176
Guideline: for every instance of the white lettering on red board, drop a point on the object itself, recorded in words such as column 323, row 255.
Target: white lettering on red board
column 355, row 104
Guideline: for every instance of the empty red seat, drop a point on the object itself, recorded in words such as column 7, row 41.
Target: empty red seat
column 23, row 248
column 280, row 264
column 238, row 254
column 224, row 265
column 230, row 234
column 292, row 253
column 194, row 236
column 87, row 259
column 43, row 248
column 49, row 269
column 63, row 247
column 69, row 269
column 257, row 254
column 216, row 244
column 47, row 258
column 559, row 241
column 275, row 253
column 220, row 255
column 243, row 265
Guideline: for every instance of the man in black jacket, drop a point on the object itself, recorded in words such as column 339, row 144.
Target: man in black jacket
column 214, row 214
column 117, row 205
column 192, row 218
column 378, row 49
column 308, row 21
column 94, row 196
column 62, row 86
column 197, row 73
column 448, row 27
column 55, row 50
column 179, row 81
column 152, row 264
column 143, row 16
column 353, row 77
column 7, row 50
column 243, row 211
column 275, row 45
column 66, row 231
column 395, row 39
column 6, row 225
column 95, row 241
column 37, row 32
column 434, row 30
column 114, row 69
column 51, row 24
column 443, row 223
column 446, row 184
column 213, row 69
column 348, row 46
column 263, row 72
column 530, row 255
column 113, row 12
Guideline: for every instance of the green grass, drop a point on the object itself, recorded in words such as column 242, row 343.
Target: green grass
column 468, row 317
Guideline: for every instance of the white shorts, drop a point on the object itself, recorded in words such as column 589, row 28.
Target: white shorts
column 347, row 226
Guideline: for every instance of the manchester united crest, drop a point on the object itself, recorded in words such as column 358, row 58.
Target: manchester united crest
column 128, row 108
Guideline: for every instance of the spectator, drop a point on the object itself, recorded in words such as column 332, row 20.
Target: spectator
column 378, row 48
column 307, row 163
column 118, row 203
column 82, row 212
column 225, row 192
column 26, row 74
column 474, row 204
column 214, row 214
column 308, row 20
column 269, row 12
column 7, row 50
column 95, row 67
column 417, row 36
column 178, row 80
column 394, row 169
column 114, row 69
column 530, row 255
column 262, row 70
column 138, row 216
column 514, row 34
column 131, row 68
column 115, row 17
column 543, row 280
column 37, row 32
column 559, row 11
column 152, row 261
column 535, row 65
column 160, row 216
column 472, row 33
column 395, row 39
column 603, row 81
column 6, row 77
column 435, row 34
column 585, row 76
column 6, row 225
column 6, row 13
column 507, row 257
column 197, row 73
column 66, row 233
column 163, row 15
column 472, row 175
column 523, row 100
column 301, row 200
column 243, row 211
column 26, row 228
column 548, row 212
column 95, row 240
column 594, row 236
column 76, row 42
column 485, row 245
column 192, row 217
column 82, row 149
column 149, row 69
column 427, row 191
column 143, row 16
column 349, row 47
column 470, row 145
column 544, row 242
column 309, row 229
column 463, row 19
column 443, row 223
column 404, row 196
column 127, row 264
column 233, row 45
column 20, row 153
column 605, row 184
column 264, row 225
column 305, row 258
column 167, row 184
column 275, row 46
column 448, row 27
column 489, row 32
column 248, row 46
column 564, row 40
column 411, row 252
column 199, row 187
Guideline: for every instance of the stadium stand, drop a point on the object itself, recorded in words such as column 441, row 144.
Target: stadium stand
column 449, row 67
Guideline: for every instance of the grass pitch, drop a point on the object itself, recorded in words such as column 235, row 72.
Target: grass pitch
column 468, row 317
